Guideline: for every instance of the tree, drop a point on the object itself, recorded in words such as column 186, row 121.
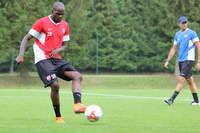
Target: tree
column 134, row 35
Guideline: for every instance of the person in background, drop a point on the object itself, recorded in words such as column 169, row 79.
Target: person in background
column 185, row 40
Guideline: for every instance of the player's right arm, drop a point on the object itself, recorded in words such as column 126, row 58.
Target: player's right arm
column 23, row 48
column 170, row 55
column 33, row 33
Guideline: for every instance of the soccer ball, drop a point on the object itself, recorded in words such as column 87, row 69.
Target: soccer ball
column 93, row 113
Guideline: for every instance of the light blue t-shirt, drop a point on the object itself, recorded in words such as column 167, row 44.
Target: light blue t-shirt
column 185, row 41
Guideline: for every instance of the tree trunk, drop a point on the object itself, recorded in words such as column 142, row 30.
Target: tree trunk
column 176, row 71
column 24, row 72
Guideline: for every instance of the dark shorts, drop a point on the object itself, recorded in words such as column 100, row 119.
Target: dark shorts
column 49, row 69
column 185, row 68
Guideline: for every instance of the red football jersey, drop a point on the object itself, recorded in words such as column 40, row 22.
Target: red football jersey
column 49, row 36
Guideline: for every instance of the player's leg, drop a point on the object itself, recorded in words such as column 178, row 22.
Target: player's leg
column 55, row 93
column 193, row 90
column 46, row 71
column 177, row 90
column 76, row 78
column 55, row 101
column 69, row 73
column 190, row 81
column 179, row 86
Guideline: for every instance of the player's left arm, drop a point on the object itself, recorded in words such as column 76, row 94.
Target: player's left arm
column 58, row 50
column 197, row 44
column 195, row 40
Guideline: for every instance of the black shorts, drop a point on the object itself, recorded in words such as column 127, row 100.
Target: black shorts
column 185, row 68
column 49, row 69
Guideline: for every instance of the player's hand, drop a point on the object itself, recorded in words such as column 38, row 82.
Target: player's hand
column 198, row 66
column 19, row 59
column 54, row 53
column 166, row 64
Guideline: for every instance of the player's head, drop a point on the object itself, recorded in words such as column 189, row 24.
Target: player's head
column 183, row 21
column 58, row 11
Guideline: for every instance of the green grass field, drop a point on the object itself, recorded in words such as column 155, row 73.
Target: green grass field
column 130, row 104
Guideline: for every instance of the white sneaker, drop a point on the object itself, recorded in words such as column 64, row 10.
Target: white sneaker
column 195, row 104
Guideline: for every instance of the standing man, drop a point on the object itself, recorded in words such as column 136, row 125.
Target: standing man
column 185, row 40
column 51, row 34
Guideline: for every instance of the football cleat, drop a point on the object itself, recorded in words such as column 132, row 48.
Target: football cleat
column 169, row 101
column 195, row 103
column 79, row 108
column 59, row 120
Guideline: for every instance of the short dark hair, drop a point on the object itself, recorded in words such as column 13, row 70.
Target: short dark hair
column 58, row 4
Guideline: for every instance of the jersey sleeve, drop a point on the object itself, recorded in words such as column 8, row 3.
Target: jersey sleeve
column 66, row 35
column 175, row 40
column 195, row 37
column 36, row 28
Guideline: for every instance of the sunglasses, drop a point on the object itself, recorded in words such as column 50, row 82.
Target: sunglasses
column 184, row 22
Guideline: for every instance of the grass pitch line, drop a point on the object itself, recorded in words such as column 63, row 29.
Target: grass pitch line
column 121, row 96
column 15, row 96
column 135, row 97
column 100, row 94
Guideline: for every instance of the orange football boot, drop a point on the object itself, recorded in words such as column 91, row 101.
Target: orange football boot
column 79, row 108
column 59, row 120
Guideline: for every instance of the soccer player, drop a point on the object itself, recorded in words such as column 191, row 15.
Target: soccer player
column 185, row 40
column 51, row 34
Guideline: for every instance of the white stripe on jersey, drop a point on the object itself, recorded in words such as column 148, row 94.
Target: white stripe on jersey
column 190, row 43
column 66, row 38
column 175, row 42
column 196, row 39
column 191, row 52
column 42, row 37
column 39, row 54
column 34, row 33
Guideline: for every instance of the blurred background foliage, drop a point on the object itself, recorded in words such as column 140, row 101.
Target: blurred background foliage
column 134, row 35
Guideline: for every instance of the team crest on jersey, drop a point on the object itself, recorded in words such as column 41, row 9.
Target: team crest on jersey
column 49, row 33
column 63, row 30
column 185, row 35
